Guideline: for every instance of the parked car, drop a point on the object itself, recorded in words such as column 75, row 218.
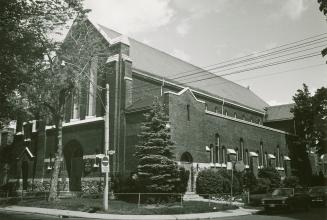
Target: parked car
column 318, row 195
column 287, row 199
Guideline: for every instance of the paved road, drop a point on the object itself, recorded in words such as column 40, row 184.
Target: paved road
column 27, row 216
column 314, row 214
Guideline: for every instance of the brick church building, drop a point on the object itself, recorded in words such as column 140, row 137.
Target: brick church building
column 211, row 120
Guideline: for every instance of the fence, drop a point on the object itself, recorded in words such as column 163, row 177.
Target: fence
column 141, row 199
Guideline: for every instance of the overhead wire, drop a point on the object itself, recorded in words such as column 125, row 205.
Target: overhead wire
column 240, row 60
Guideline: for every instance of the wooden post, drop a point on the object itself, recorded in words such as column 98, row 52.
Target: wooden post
column 139, row 201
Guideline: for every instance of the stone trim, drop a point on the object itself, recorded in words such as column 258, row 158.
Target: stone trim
column 181, row 92
column 103, row 34
column 77, row 122
column 47, row 160
column 120, row 39
column 113, row 58
column 245, row 122
column 287, row 158
column 128, row 78
column 139, row 72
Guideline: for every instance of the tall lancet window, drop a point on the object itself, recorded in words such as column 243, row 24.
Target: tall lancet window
column 217, row 149
column 75, row 105
column 92, row 88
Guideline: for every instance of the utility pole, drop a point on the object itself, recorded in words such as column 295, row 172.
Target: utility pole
column 106, row 150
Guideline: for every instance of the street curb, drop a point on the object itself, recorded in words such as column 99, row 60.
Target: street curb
column 58, row 212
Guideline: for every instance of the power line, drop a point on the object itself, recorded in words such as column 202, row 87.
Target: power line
column 258, row 67
column 210, row 73
column 294, row 47
column 251, row 59
column 252, row 54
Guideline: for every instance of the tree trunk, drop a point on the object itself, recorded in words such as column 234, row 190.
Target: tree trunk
column 53, row 195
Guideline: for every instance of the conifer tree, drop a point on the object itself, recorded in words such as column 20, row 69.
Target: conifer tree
column 156, row 171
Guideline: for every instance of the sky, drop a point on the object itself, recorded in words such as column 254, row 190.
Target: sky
column 207, row 32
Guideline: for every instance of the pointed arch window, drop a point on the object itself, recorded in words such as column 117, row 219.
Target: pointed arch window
column 246, row 159
column 217, row 149
column 224, row 155
column 211, row 153
column 92, row 93
column 188, row 112
column 75, row 105
column 261, row 161
column 241, row 150
column 278, row 157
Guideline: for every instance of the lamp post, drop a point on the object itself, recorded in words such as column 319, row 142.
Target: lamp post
column 230, row 166
column 106, row 149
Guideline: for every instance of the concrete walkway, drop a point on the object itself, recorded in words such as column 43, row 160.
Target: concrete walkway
column 57, row 212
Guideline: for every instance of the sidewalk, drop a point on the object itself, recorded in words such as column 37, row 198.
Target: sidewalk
column 57, row 212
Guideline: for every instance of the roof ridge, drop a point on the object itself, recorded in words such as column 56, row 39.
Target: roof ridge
column 161, row 51
column 280, row 105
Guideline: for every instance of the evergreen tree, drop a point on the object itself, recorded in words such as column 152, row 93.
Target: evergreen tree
column 156, row 171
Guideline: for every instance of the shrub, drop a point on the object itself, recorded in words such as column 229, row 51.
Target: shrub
column 10, row 187
column 291, row 181
column 249, row 180
column 272, row 175
column 181, row 185
column 263, row 186
column 211, row 181
column 123, row 184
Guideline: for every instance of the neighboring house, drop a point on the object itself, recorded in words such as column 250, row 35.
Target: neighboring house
column 280, row 117
column 211, row 121
column 6, row 140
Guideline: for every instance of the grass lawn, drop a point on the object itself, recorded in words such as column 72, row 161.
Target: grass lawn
column 121, row 207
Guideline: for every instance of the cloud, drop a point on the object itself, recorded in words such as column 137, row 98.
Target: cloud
column 130, row 16
column 287, row 8
column 220, row 48
column 181, row 55
column 294, row 8
column 195, row 10
column 200, row 8
column 312, row 90
column 183, row 28
column 271, row 45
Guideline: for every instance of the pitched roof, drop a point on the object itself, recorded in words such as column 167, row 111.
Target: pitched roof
column 279, row 112
column 163, row 65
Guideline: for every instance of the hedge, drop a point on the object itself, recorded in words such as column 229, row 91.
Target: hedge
column 210, row 181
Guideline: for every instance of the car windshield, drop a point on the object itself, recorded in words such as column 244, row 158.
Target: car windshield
column 282, row 192
column 318, row 190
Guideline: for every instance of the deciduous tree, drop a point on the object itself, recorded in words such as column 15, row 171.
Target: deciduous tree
column 310, row 114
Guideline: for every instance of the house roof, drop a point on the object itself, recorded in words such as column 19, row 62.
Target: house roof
column 279, row 112
column 163, row 65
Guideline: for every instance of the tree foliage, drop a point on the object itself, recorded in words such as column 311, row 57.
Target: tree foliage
column 27, row 30
column 323, row 9
column 272, row 175
column 310, row 115
column 156, row 171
